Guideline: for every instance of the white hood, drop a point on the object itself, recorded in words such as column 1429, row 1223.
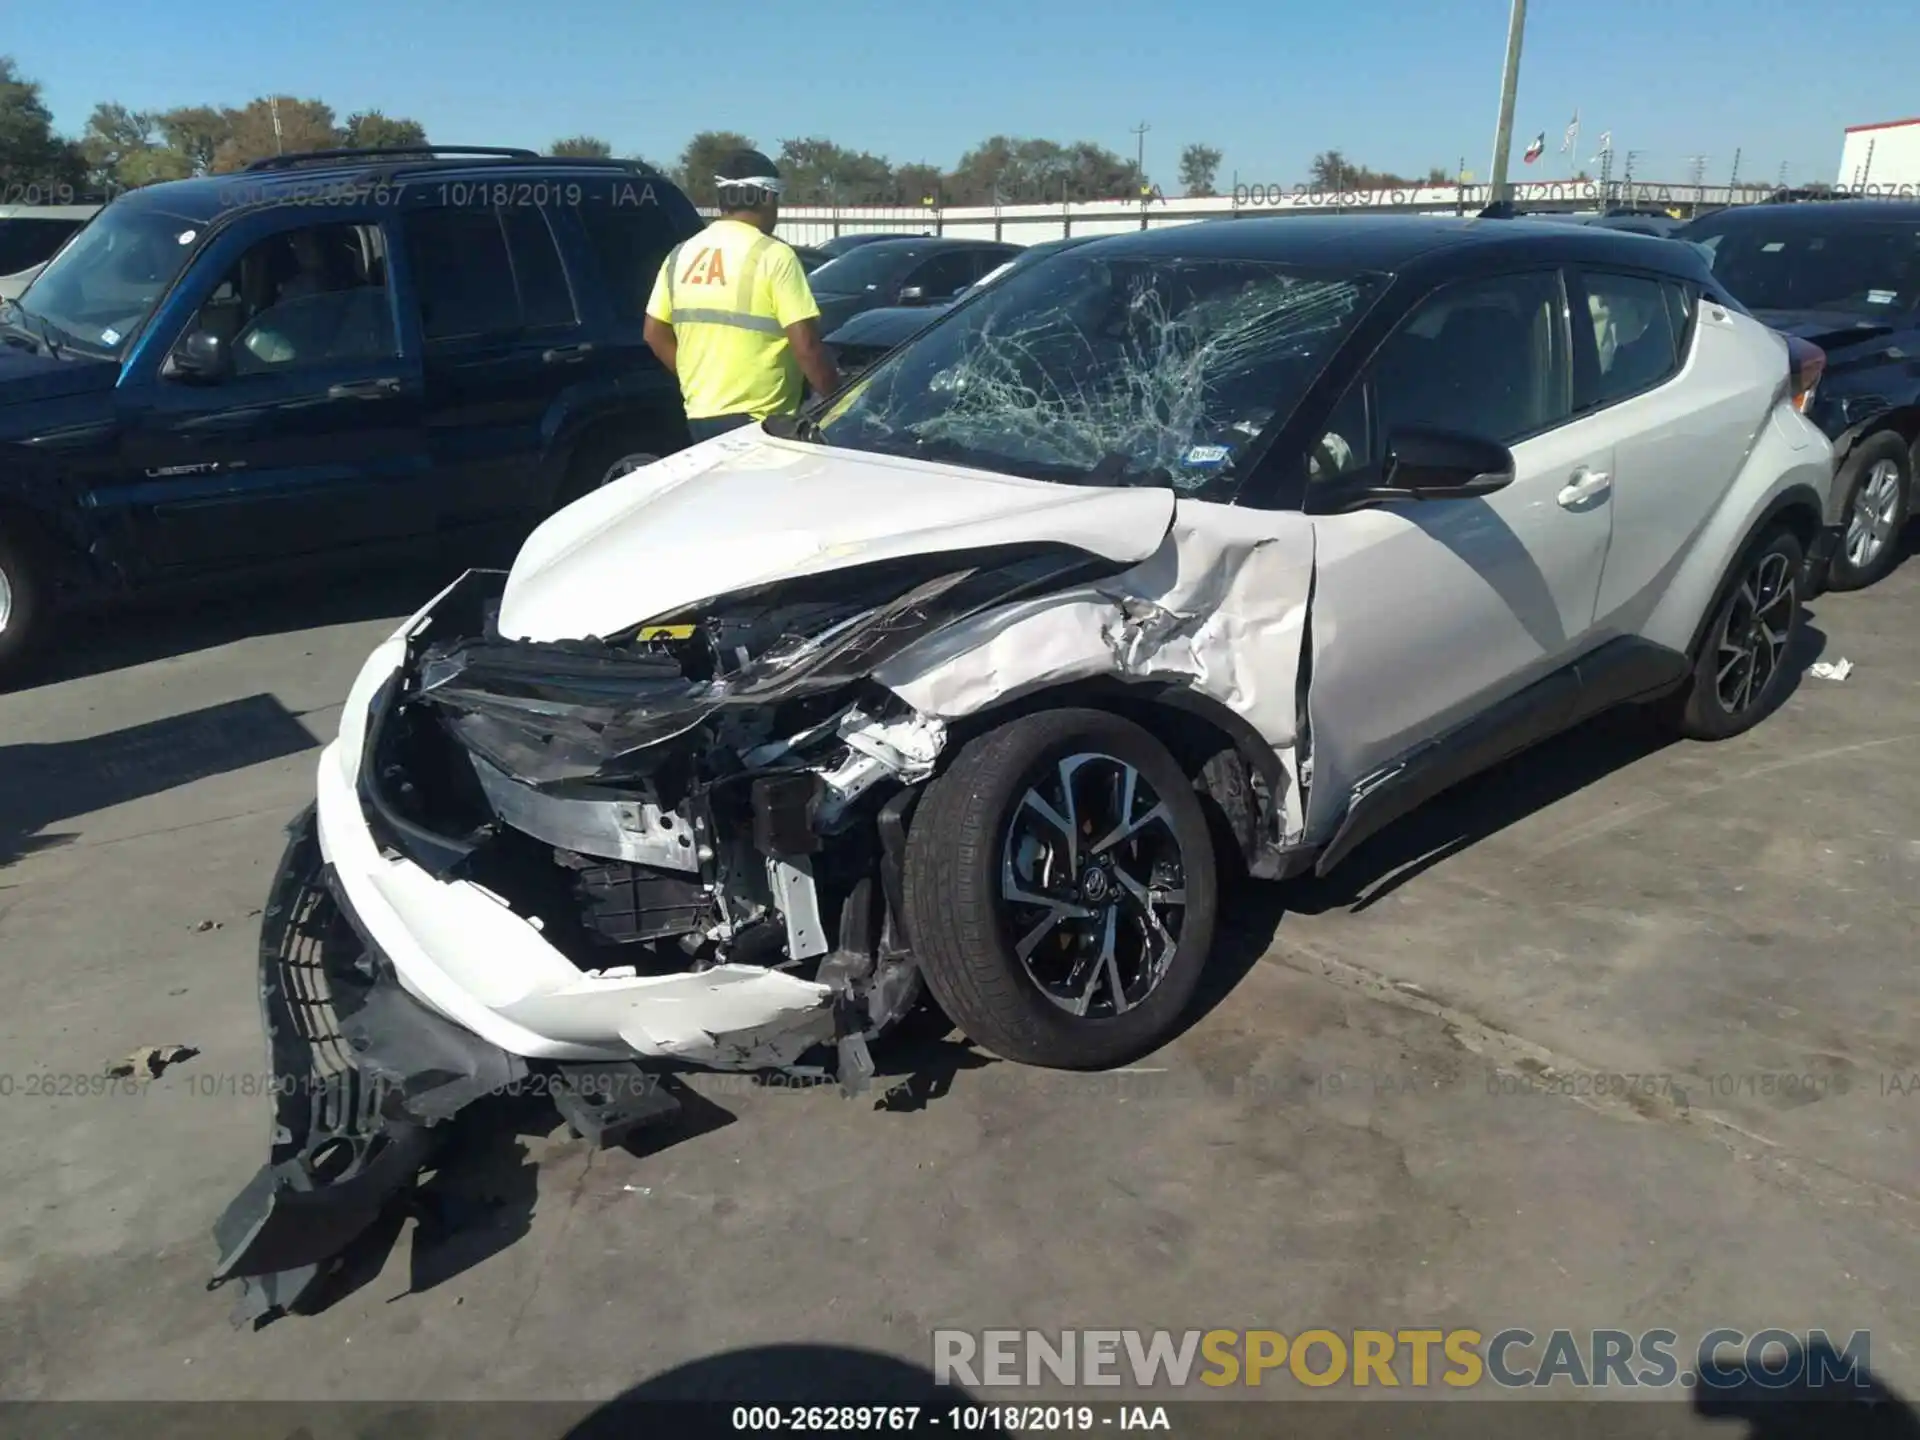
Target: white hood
column 745, row 509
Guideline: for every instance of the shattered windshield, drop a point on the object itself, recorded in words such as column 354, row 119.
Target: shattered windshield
column 1110, row 370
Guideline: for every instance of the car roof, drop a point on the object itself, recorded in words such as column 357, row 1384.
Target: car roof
column 1392, row 243
column 1818, row 213
column 206, row 197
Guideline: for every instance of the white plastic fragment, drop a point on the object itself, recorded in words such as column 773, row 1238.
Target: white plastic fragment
column 1832, row 669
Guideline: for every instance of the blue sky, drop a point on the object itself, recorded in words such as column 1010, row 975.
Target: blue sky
column 1395, row 85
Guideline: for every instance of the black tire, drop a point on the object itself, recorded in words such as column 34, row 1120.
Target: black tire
column 602, row 461
column 963, row 930
column 23, row 603
column 1723, row 697
column 1877, row 461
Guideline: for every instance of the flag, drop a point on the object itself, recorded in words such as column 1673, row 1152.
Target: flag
column 1573, row 135
column 1606, row 141
column 1536, row 149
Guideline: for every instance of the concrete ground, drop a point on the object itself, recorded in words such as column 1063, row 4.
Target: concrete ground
column 1361, row 1130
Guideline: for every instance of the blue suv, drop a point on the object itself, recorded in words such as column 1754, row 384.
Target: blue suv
column 322, row 356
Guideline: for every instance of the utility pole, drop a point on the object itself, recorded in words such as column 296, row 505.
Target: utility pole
column 273, row 107
column 1509, row 83
column 1733, row 179
column 1140, row 167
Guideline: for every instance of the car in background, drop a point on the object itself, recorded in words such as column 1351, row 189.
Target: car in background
column 929, row 270
column 1634, row 222
column 811, row 257
column 322, row 357
column 1196, row 551
column 29, row 236
column 1843, row 275
column 869, row 335
column 841, row 244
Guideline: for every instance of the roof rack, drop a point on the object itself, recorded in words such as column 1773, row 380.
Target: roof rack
column 388, row 152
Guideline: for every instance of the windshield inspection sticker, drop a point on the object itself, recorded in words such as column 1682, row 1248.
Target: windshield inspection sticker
column 1880, row 297
column 1207, row 457
column 109, row 336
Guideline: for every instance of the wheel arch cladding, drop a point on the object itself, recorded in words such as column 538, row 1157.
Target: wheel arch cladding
column 1234, row 771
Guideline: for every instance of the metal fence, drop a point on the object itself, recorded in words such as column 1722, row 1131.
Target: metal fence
column 1029, row 224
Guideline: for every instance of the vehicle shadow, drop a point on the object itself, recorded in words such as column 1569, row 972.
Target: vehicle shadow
column 1816, row 1394
column 778, row 1376
column 97, row 643
column 43, row 784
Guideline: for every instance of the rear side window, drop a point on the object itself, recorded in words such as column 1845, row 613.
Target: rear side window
column 462, row 273
column 545, row 299
column 630, row 238
column 1639, row 327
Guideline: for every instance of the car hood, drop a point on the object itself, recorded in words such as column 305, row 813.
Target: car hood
column 887, row 326
column 745, row 509
column 1829, row 329
column 26, row 376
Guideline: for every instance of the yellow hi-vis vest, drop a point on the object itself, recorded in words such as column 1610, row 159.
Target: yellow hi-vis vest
column 730, row 293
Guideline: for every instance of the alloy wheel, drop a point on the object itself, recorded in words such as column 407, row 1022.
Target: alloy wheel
column 626, row 465
column 6, row 600
column 1875, row 504
column 1093, row 885
column 1753, row 639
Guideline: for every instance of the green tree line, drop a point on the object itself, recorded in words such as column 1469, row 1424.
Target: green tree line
column 121, row 148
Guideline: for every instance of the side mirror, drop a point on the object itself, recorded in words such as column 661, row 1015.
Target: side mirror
column 1424, row 464
column 913, row 295
column 200, row 356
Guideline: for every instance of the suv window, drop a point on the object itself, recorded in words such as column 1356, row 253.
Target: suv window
column 25, row 241
column 1485, row 357
column 461, row 271
column 1851, row 264
column 545, row 299
column 1638, row 329
column 630, row 241
column 305, row 298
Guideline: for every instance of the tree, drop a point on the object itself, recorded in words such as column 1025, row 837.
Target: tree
column 1331, row 170
column 915, row 184
column 195, row 133
column 1199, row 164
column 701, row 160
column 819, row 172
column 1440, row 175
column 304, row 125
column 32, row 158
column 113, row 136
column 645, row 164
column 374, row 130
column 582, row 146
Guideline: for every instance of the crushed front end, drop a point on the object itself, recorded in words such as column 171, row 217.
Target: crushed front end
column 677, row 846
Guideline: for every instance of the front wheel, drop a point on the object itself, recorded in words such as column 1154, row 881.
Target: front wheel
column 1745, row 660
column 1060, row 890
column 22, row 604
column 1878, row 483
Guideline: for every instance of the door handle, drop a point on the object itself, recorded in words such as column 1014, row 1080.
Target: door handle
column 1583, row 485
column 364, row 389
column 567, row 354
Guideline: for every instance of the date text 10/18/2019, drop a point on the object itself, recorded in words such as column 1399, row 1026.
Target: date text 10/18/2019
column 955, row 1419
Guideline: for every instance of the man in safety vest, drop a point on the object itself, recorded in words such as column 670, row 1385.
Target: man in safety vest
column 732, row 315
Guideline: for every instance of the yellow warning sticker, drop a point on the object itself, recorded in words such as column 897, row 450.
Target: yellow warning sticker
column 667, row 632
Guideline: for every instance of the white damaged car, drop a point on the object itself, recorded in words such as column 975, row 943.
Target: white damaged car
column 1203, row 550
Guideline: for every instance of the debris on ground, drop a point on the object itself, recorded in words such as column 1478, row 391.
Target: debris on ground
column 206, row 925
column 151, row 1060
column 1832, row 670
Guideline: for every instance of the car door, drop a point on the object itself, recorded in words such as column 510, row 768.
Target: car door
column 1685, row 401
column 306, row 438
column 501, row 339
column 1426, row 613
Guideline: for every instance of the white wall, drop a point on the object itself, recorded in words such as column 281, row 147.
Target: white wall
column 1880, row 157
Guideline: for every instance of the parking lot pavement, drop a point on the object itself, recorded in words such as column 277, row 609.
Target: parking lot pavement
column 1708, row 948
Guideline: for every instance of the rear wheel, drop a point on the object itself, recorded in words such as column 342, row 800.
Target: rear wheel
column 22, row 603
column 601, row 462
column 1877, row 481
column 1745, row 660
column 1060, row 890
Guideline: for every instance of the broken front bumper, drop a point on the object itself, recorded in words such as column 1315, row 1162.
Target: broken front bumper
column 363, row 1080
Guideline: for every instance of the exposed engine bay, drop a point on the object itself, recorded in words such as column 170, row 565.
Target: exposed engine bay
column 711, row 790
